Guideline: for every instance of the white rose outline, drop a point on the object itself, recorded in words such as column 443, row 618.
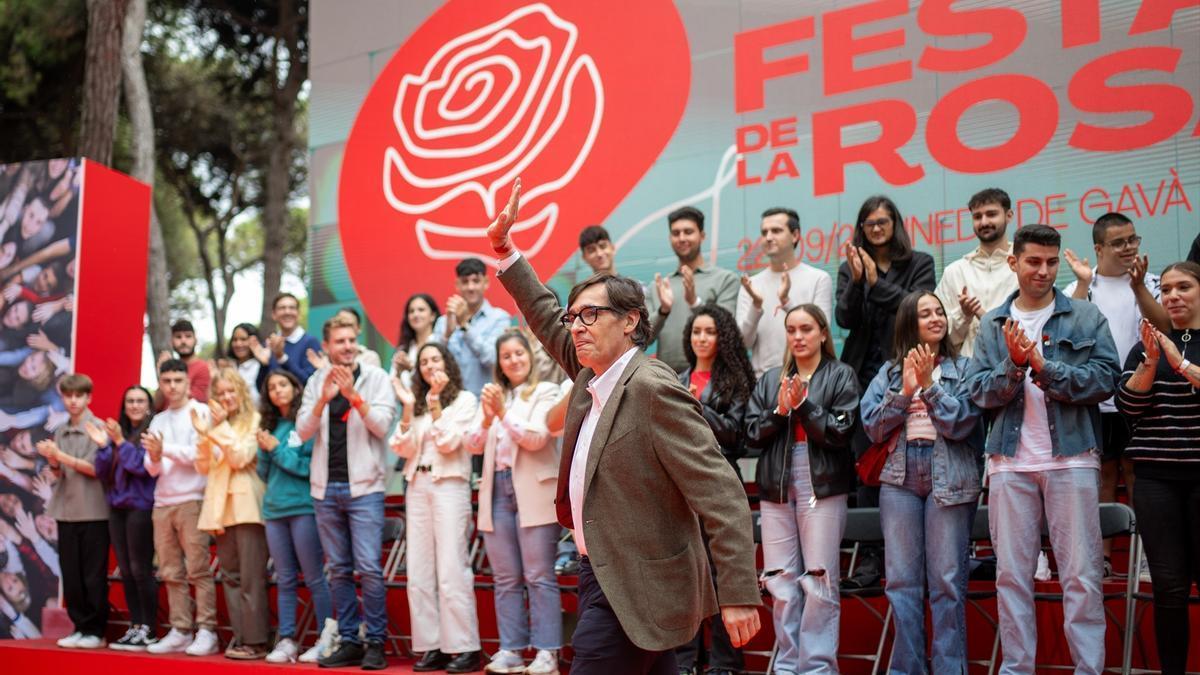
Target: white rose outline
column 467, row 70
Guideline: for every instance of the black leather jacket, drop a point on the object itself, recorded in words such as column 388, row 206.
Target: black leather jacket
column 829, row 415
column 725, row 418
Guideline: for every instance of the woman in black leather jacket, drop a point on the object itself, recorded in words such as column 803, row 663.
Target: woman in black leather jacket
column 720, row 377
column 799, row 421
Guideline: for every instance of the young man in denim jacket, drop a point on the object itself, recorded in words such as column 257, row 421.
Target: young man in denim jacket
column 1043, row 362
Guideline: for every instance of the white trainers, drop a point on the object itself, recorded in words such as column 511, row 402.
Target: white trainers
column 1144, row 570
column 506, row 661
column 71, row 641
column 325, row 644
column 205, row 644
column 284, row 652
column 1043, row 568
column 545, row 663
column 91, row 642
column 172, row 643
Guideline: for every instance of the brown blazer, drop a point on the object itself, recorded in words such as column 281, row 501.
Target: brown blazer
column 654, row 474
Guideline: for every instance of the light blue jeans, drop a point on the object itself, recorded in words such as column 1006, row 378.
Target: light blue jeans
column 1072, row 508
column 523, row 562
column 802, row 539
column 925, row 542
column 295, row 546
column 351, row 530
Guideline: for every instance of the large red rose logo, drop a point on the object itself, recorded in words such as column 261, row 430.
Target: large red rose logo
column 576, row 98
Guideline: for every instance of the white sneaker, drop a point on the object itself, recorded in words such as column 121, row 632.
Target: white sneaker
column 545, row 663
column 205, row 644
column 172, row 643
column 1144, row 570
column 71, row 641
column 1043, row 568
column 284, row 652
column 506, row 661
column 325, row 644
column 90, row 642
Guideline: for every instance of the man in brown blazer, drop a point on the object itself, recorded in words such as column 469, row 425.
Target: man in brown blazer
column 640, row 472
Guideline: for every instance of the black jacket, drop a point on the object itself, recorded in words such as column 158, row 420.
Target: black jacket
column 870, row 313
column 829, row 415
column 725, row 418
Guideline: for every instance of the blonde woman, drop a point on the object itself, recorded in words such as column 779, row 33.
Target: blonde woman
column 516, row 508
column 232, row 509
column 438, row 413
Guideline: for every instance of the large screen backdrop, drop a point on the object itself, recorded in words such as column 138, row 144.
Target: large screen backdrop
column 618, row 112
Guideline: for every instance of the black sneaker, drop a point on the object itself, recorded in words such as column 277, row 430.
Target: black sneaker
column 347, row 654
column 373, row 657
column 128, row 641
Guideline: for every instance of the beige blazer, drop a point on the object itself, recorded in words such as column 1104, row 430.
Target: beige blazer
column 451, row 460
column 535, row 461
column 234, row 492
column 654, row 474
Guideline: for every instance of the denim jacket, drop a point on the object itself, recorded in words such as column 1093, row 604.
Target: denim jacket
column 1082, row 369
column 956, row 419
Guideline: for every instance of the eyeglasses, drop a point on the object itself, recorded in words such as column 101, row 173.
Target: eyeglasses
column 1118, row 244
column 586, row 314
column 880, row 223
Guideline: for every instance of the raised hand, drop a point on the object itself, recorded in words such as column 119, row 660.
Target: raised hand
column 316, row 359
column 1081, row 268
column 970, row 305
column 870, row 271
column 1015, row 340
column 689, row 286
column 924, row 360
column 498, row 231
column 26, row 526
column 12, row 292
column 42, row 487
column 438, row 382
column 266, row 440
column 260, row 352
column 850, row 253
column 666, row 296
column 1137, row 271
column 98, row 435
column 45, row 310
column 755, row 298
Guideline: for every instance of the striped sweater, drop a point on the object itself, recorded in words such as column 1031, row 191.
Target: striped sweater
column 1165, row 421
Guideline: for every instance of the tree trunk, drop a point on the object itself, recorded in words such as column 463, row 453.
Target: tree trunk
column 101, row 79
column 137, row 100
column 278, row 178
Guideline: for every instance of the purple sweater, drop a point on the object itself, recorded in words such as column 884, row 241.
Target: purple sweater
column 127, row 485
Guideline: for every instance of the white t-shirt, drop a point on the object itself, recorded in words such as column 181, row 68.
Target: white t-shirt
column 1114, row 297
column 1035, row 447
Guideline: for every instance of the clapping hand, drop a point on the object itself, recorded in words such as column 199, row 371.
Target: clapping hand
column 400, row 361
column 152, row 441
column 266, row 440
column 438, row 382
column 94, row 432
column 275, row 343
column 316, row 359
column 970, row 305
column 1017, row 343
column 403, row 393
column 850, row 253
column 1081, row 268
column 498, row 231
column 493, row 396
column 200, row 424
column 666, row 296
column 689, row 285
column 344, row 378
column 785, row 287
column 755, row 298
column 1137, row 271
column 216, row 413
column 924, row 361
column 260, row 352
column 870, row 270
column 48, row 449
column 114, row 431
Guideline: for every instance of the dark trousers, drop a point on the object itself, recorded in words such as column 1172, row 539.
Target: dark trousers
column 1168, row 515
column 132, row 534
column 242, row 550
column 600, row 644
column 83, row 556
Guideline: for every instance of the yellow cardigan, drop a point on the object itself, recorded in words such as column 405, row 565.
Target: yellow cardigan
column 234, row 493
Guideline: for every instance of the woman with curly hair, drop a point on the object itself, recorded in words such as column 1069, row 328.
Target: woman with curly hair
column 720, row 377
column 438, row 414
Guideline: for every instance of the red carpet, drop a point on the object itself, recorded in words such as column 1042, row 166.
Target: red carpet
column 42, row 656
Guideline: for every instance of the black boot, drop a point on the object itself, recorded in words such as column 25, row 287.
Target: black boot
column 432, row 660
column 347, row 654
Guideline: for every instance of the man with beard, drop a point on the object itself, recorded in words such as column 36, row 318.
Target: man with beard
column 979, row 281
column 1125, row 292
column 183, row 341
column 690, row 285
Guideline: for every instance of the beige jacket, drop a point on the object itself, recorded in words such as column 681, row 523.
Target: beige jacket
column 988, row 278
column 452, row 459
column 535, row 456
column 234, row 493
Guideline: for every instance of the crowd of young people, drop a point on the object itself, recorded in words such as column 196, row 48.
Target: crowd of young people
column 993, row 376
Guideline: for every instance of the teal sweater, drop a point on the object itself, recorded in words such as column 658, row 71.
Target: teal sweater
column 285, row 471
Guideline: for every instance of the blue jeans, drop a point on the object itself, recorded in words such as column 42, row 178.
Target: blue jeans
column 1070, row 500
column 523, row 560
column 801, row 538
column 351, row 530
column 926, row 543
column 295, row 546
